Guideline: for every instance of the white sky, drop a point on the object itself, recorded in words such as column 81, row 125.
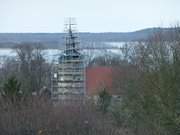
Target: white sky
column 91, row 15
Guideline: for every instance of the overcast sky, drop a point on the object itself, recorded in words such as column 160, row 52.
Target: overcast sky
column 91, row 15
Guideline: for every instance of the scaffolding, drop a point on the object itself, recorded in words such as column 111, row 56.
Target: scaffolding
column 68, row 81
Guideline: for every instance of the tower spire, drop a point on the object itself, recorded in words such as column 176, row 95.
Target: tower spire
column 71, row 37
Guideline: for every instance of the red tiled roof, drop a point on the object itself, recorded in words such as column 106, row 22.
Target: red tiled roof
column 98, row 78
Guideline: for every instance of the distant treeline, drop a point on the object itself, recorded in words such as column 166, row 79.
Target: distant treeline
column 56, row 40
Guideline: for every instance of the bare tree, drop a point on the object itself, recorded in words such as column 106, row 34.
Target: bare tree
column 34, row 71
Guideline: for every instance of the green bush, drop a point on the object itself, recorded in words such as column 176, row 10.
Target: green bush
column 11, row 89
column 104, row 100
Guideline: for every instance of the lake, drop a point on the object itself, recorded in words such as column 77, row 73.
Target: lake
column 53, row 54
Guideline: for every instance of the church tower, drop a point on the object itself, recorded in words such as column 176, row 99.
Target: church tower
column 69, row 75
